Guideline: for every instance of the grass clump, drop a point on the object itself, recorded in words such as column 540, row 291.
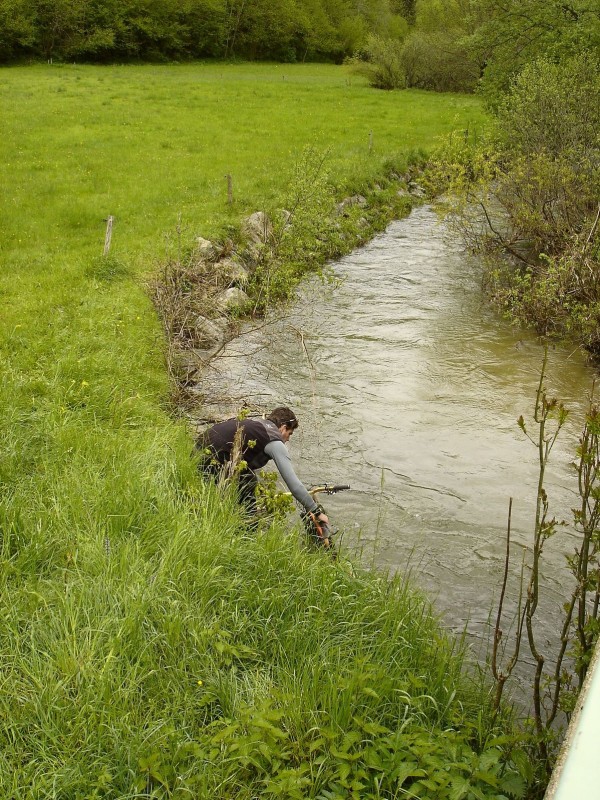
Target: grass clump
column 244, row 667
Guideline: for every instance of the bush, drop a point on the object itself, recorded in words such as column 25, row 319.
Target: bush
column 554, row 108
column 549, row 138
column 537, row 199
column 381, row 61
column 436, row 60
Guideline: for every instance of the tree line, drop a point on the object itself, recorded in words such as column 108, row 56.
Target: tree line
column 467, row 45
column 109, row 30
column 455, row 45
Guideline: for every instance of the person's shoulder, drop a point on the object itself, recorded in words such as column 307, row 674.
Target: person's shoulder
column 272, row 430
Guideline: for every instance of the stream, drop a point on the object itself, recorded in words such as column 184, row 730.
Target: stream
column 408, row 387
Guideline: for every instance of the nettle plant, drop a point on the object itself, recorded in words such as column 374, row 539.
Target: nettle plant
column 271, row 501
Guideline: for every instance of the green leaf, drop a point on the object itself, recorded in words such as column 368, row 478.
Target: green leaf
column 489, row 758
column 370, row 692
column 218, row 737
column 374, row 729
column 523, row 764
column 460, row 788
column 407, row 770
column 344, row 755
column 513, row 785
column 344, row 771
column 487, row 777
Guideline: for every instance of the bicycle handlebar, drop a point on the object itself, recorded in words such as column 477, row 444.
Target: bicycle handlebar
column 329, row 488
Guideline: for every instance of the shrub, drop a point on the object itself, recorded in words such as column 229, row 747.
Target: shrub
column 537, row 199
column 436, row 60
column 381, row 61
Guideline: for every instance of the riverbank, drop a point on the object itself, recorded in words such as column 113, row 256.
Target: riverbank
column 217, row 288
column 152, row 647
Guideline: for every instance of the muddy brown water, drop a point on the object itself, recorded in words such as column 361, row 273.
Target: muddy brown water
column 408, row 387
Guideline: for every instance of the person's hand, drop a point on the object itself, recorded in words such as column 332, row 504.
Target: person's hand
column 325, row 529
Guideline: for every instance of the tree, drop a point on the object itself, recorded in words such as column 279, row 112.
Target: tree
column 17, row 28
column 434, row 56
column 404, row 8
column 203, row 28
column 508, row 34
column 436, row 60
column 549, row 136
column 531, row 199
column 268, row 29
column 57, row 25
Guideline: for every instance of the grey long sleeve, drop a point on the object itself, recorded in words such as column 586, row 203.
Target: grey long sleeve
column 279, row 453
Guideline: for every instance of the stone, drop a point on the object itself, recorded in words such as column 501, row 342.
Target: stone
column 231, row 298
column 233, row 272
column 210, row 331
column 205, row 248
column 416, row 190
column 257, row 228
column 184, row 363
column 355, row 200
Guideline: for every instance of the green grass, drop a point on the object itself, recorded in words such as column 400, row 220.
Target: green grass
column 83, row 377
column 125, row 581
column 208, row 664
column 151, row 144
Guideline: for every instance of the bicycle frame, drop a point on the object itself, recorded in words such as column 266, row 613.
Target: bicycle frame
column 320, row 533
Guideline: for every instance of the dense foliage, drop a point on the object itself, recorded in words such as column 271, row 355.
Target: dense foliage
column 528, row 198
column 462, row 45
column 149, row 666
column 506, row 36
column 105, row 30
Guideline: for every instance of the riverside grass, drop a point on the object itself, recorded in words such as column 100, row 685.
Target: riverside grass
column 149, row 647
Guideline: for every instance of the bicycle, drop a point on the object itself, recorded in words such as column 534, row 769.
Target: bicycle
column 319, row 533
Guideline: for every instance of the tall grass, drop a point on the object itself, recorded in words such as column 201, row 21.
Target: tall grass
column 142, row 664
column 148, row 645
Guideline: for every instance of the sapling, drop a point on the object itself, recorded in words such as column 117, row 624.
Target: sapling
column 552, row 690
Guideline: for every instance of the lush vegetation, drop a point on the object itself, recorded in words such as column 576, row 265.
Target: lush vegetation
column 286, row 30
column 528, row 198
column 527, row 192
column 148, row 645
column 453, row 46
column 188, row 658
column 476, row 45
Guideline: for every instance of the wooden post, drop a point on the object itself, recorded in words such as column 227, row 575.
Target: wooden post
column 108, row 235
column 370, row 141
column 229, row 189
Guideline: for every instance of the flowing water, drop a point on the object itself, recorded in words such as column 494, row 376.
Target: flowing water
column 408, row 388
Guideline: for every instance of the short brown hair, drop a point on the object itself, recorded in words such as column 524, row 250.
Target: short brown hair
column 282, row 415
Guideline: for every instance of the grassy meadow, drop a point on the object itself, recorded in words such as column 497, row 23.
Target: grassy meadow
column 149, row 647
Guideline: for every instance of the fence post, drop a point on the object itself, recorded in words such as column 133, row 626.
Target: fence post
column 229, row 189
column 108, row 235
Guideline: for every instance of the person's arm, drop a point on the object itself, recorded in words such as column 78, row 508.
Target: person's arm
column 279, row 453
